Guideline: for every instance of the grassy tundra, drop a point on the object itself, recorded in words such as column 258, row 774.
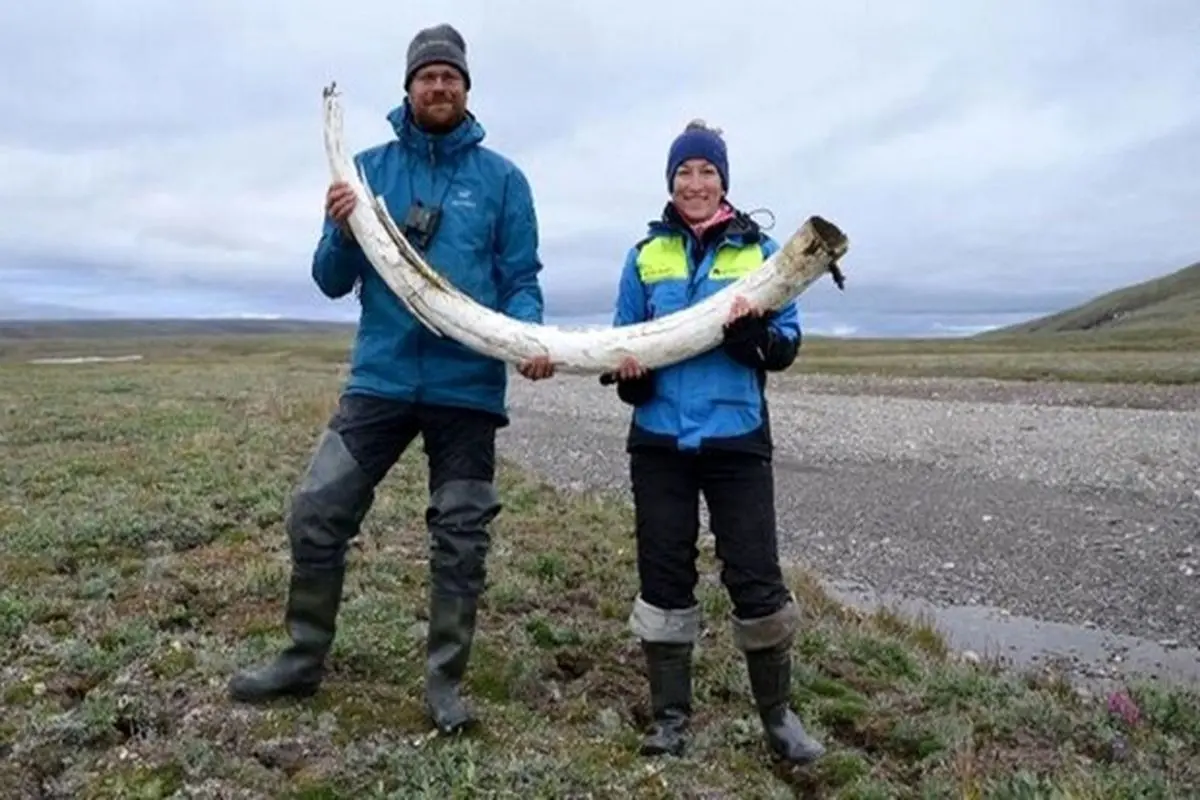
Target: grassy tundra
column 1106, row 348
column 143, row 559
column 1154, row 357
column 1145, row 333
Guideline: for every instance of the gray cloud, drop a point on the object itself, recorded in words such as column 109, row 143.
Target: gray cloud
column 985, row 163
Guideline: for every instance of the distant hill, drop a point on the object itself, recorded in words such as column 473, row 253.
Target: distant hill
column 1171, row 302
column 35, row 330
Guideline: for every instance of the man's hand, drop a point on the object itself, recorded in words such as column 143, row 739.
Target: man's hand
column 339, row 205
column 535, row 369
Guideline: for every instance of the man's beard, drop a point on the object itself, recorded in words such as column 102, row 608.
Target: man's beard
column 437, row 126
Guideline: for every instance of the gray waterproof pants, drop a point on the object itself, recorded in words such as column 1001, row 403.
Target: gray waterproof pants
column 362, row 442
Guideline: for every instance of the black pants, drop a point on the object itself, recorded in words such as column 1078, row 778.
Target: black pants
column 364, row 439
column 739, row 490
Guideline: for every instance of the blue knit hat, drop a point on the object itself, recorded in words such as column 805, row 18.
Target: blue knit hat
column 698, row 141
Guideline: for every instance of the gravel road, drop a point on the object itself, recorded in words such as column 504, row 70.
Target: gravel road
column 960, row 492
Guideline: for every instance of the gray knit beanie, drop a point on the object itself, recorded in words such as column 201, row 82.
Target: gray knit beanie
column 441, row 44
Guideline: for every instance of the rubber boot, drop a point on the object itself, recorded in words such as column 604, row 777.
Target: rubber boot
column 313, row 601
column 669, row 666
column 770, row 672
column 451, row 631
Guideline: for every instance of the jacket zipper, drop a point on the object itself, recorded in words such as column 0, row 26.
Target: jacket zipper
column 693, row 275
column 693, row 285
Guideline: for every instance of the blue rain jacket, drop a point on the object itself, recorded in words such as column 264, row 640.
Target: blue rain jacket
column 716, row 399
column 486, row 244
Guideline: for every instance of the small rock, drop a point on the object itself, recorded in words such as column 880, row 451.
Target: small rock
column 1169, row 644
column 284, row 755
column 609, row 720
column 327, row 723
column 970, row 657
column 158, row 547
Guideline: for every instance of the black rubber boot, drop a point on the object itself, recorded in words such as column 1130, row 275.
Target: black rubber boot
column 451, row 631
column 770, row 674
column 313, row 601
column 669, row 666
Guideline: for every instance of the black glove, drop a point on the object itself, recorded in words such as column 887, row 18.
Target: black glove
column 636, row 392
column 750, row 341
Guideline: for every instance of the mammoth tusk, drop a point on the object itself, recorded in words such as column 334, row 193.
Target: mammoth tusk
column 812, row 250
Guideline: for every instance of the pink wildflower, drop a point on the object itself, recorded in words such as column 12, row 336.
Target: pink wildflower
column 1123, row 706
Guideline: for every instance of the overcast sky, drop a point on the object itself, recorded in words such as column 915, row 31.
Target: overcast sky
column 989, row 161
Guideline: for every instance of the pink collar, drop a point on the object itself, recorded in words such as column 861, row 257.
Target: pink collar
column 725, row 212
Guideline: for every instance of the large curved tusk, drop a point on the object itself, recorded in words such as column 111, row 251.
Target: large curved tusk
column 813, row 250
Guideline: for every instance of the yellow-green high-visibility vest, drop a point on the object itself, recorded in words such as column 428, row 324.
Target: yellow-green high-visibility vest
column 664, row 259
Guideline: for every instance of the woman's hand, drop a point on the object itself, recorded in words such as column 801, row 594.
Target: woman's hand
column 629, row 369
column 741, row 308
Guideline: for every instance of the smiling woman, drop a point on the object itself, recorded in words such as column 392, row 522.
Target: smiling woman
column 699, row 181
column 700, row 427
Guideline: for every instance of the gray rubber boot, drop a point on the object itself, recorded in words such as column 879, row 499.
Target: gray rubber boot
column 668, row 638
column 312, row 607
column 451, row 631
column 460, row 511
column 669, row 666
column 770, row 672
column 327, row 509
column 766, row 643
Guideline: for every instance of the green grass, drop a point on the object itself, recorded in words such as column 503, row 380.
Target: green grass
column 1158, row 354
column 1155, row 356
column 1168, row 303
column 169, row 347
column 1145, row 333
column 142, row 560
